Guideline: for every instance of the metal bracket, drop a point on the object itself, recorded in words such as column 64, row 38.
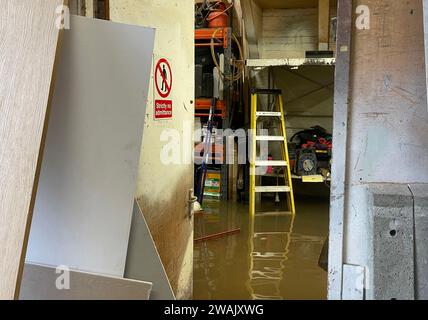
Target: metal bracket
column 192, row 200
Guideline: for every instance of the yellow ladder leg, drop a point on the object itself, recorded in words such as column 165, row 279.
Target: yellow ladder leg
column 253, row 154
column 288, row 176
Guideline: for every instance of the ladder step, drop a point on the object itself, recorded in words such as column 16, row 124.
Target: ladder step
column 263, row 189
column 273, row 214
column 270, row 138
column 268, row 114
column 271, row 163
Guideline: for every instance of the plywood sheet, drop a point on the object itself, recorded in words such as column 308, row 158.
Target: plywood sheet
column 323, row 24
column 28, row 46
column 41, row 283
column 84, row 205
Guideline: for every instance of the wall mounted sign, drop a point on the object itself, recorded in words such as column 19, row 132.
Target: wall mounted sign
column 163, row 87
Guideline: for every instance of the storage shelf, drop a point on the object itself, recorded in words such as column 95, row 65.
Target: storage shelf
column 294, row 176
column 206, row 34
column 203, row 105
column 264, row 63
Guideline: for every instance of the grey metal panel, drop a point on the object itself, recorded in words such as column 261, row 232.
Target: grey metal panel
column 390, row 231
column 84, row 205
column 420, row 194
column 143, row 261
column 39, row 283
column 340, row 138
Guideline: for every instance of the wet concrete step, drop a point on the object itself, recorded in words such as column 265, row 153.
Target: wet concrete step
column 274, row 214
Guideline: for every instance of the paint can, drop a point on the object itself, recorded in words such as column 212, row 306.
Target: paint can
column 218, row 18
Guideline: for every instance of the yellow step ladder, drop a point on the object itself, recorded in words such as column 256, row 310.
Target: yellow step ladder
column 270, row 249
column 278, row 113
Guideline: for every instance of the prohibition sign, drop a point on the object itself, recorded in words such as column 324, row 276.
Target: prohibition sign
column 163, row 78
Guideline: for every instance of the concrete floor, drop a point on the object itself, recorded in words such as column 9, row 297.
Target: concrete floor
column 284, row 263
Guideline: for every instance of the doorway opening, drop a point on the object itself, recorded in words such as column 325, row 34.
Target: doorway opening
column 272, row 254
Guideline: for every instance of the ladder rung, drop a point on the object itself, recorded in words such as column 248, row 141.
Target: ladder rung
column 268, row 114
column 262, row 189
column 273, row 214
column 267, row 233
column 270, row 138
column 271, row 163
column 276, row 92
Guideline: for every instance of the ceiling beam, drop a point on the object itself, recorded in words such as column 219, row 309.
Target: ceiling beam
column 253, row 20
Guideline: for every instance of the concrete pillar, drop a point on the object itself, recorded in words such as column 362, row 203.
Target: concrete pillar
column 387, row 140
column 390, row 231
column 420, row 194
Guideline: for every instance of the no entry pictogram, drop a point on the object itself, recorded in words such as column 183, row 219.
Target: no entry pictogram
column 163, row 78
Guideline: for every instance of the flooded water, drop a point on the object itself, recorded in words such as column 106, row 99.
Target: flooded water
column 273, row 257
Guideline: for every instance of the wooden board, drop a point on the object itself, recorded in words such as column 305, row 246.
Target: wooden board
column 313, row 179
column 323, row 24
column 29, row 38
column 40, row 283
column 143, row 261
column 84, row 206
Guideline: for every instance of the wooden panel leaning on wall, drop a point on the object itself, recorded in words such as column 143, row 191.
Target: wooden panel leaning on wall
column 28, row 46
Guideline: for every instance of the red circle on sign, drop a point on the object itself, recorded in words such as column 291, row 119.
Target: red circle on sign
column 159, row 72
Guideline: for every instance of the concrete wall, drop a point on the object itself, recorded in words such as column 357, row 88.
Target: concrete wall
column 388, row 132
column 289, row 33
column 253, row 21
column 163, row 189
column 308, row 94
column 390, row 240
column 90, row 8
column 420, row 195
column 396, row 225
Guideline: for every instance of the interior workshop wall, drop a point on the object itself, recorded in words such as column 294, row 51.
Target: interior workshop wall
column 289, row 33
column 163, row 189
column 308, row 94
column 388, row 133
column 89, row 6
